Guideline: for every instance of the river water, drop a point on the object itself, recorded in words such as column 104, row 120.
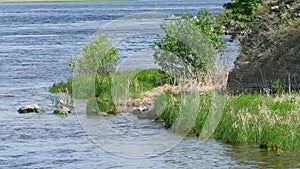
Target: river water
column 36, row 42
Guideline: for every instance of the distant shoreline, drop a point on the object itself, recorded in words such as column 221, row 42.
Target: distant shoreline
column 52, row 1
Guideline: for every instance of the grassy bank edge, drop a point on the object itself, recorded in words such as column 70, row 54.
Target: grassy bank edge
column 272, row 121
column 268, row 120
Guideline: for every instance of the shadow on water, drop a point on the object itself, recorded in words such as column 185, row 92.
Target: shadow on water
column 254, row 157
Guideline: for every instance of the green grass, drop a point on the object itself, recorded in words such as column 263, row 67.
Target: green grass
column 61, row 86
column 106, row 90
column 270, row 120
column 253, row 118
column 147, row 80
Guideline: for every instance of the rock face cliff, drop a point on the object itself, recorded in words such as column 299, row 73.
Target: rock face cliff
column 270, row 52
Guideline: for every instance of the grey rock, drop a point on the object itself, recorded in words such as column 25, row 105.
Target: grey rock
column 32, row 108
column 149, row 114
column 62, row 111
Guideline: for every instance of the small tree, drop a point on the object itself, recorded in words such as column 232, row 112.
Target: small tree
column 189, row 45
column 238, row 16
column 98, row 56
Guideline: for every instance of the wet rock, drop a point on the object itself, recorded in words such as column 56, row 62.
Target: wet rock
column 62, row 111
column 263, row 146
column 32, row 108
column 135, row 111
column 144, row 112
column 149, row 115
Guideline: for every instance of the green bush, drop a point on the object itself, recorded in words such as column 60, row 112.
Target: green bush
column 189, row 44
column 238, row 15
column 242, row 10
column 98, row 56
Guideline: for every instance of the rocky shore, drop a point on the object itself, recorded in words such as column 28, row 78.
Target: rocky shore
column 271, row 51
column 143, row 107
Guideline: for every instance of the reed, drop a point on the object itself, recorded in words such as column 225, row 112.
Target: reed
column 271, row 121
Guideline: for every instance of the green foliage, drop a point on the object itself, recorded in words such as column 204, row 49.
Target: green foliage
column 98, row 88
column 242, row 10
column 277, row 87
column 92, row 107
column 106, row 105
column 208, row 24
column 204, row 108
column 103, row 86
column 83, row 86
column 188, row 107
column 160, row 104
column 61, row 112
column 179, row 111
column 282, row 107
column 61, row 86
column 189, row 44
column 98, row 56
column 170, row 109
column 238, row 15
column 253, row 118
column 250, row 101
column 147, row 80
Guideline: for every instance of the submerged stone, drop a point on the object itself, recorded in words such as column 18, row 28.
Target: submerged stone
column 32, row 108
column 62, row 111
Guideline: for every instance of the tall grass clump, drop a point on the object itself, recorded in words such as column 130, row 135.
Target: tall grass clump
column 181, row 113
column 168, row 104
column 270, row 121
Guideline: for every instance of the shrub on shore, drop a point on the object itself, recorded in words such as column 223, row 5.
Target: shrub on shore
column 189, row 45
column 97, row 56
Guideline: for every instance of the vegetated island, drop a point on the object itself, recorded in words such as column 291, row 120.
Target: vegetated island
column 188, row 90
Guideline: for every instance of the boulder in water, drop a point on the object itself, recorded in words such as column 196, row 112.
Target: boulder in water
column 143, row 112
column 62, row 111
column 32, row 108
